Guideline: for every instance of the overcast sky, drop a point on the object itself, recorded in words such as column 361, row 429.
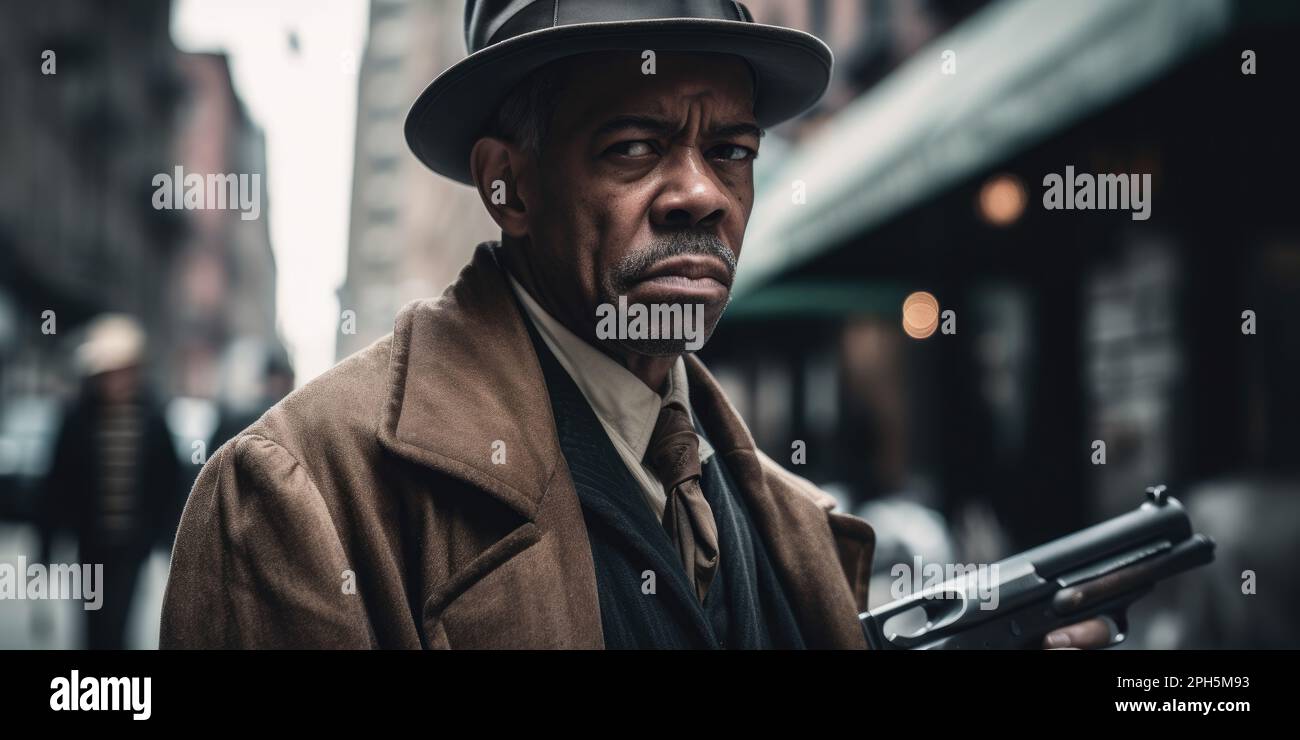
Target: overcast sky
column 305, row 102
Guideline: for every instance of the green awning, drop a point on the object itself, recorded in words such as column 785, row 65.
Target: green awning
column 1025, row 69
column 803, row 299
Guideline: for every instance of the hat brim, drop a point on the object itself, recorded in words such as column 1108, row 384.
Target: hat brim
column 792, row 71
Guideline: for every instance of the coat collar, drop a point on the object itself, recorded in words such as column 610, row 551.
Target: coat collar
column 465, row 388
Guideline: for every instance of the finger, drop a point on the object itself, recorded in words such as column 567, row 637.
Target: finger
column 1092, row 633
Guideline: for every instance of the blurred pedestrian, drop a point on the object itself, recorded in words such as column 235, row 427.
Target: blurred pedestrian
column 275, row 383
column 113, row 478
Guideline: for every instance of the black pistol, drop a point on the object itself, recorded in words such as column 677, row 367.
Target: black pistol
column 1015, row 602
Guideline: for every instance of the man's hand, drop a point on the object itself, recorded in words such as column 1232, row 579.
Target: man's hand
column 1097, row 632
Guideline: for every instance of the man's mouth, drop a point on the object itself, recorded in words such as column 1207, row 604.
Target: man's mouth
column 688, row 273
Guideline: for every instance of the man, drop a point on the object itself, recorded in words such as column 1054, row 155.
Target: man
column 114, row 478
column 500, row 472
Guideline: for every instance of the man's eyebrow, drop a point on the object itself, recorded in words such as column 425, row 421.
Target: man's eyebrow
column 738, row 129
column 658, row 126
column 665, row 127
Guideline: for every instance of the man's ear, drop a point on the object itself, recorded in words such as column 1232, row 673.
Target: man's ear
column 495, row 164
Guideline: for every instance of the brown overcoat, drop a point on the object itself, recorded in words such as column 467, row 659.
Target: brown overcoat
column 367, row 510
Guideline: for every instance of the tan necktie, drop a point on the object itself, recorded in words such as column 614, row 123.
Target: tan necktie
column 674, row 456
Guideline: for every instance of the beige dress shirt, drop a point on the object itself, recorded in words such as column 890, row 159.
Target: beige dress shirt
column 625, row 406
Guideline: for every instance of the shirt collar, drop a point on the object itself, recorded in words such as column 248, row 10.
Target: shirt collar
column 628, row 406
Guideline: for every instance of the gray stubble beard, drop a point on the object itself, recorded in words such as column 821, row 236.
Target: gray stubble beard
column 672, row 244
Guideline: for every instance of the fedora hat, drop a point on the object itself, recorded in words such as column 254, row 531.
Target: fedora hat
column 509, row 39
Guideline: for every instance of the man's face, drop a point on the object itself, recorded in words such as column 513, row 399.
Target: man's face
column 644, row 187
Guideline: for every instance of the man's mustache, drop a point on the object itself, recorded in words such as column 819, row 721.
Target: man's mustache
column 673, row 244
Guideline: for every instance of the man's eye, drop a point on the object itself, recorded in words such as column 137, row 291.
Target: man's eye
column 734, row 152
column 632, row 148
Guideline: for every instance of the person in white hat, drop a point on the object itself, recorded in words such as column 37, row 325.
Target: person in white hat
column 114, row 475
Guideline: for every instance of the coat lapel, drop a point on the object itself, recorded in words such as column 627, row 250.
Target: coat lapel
column 465, row 387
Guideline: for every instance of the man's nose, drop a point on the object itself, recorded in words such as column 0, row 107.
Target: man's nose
column 690, row 196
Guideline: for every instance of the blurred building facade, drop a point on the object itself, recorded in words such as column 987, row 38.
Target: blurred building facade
column 411, row 231
column 98, row 102
column 868, row 38
column 80, row 148
column 224, row 273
